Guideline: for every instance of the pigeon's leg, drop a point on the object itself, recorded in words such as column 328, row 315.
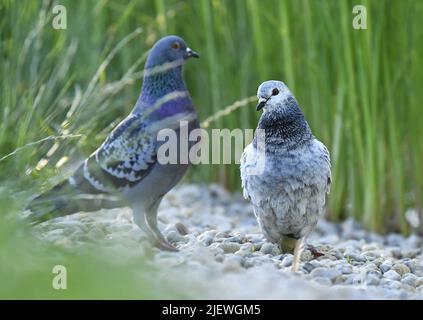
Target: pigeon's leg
column 289, row 244
column 299, row 246
column 151, row 221
column 139, row 219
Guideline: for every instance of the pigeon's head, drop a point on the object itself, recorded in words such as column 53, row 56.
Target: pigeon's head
column 168, row 50
column 272, row 94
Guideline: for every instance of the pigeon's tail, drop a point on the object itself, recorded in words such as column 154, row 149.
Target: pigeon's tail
column 65, row 199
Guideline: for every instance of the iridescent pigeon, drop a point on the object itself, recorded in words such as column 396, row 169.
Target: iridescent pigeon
column 125, row 169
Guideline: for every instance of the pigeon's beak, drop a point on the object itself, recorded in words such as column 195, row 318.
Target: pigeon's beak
column 191, row 54
column 261, row 103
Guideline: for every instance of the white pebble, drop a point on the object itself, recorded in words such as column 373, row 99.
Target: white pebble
column 392, row 275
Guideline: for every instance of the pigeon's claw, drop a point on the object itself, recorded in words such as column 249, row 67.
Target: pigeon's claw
column 158, row 239
column 165, row 245
column 299, row 247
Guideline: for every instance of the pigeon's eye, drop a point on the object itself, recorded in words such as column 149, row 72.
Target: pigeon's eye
column 175, row 45
column 275, row 92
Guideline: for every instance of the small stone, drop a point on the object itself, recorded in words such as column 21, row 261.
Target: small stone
column 308, row 267
column 336, row 253
column 378, row 261
column 173, row 236
column 306, row 255
column 325, row 273
column 269, row 248
column 181, row 228
column 375, row 273
column 278, row 257
column 248, row 263
column 386, row 266
column 371, row 266
column 207, row 241
column 317, row 263
column 230, row 247
column 264, row 260
column 233, row 239
column 352, row 279
column 324, row 281
column 221, row 235
column 254, row 238
column 369, row 257
column 350, row 227
column 219, row 257
column 257, row 246
column 287, row 261
column 340, row 279
column 412, row 265
column 410, row 279
column 345, row 269
column 394, row 240
column 372, row 280
column 408, row 287
column 390, row 283
column 189, row 239
column 410, row 253
column 248, row 247
column 232, row 263
column 373, row 254
column 243, row 252
column 401, row 269
column 216, row 248
column 360, row 235
column 327, row 257
column 355, row 257
column 396, row 252
column 414, row 241
column 326, row 228
column 392, row 275
column 370, row 247
column 329, row 239
column 375, row 238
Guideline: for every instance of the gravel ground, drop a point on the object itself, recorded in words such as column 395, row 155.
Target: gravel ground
column 224, row 256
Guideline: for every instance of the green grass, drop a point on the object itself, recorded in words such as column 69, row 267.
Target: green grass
column 93, row 272
column 360, row 89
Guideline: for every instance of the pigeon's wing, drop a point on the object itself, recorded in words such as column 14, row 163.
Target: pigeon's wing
column 325, row 156
column 123, row 160
column 328, row 173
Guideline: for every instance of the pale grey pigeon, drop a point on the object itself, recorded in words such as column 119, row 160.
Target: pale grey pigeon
column 288, row 189
column 125, row 169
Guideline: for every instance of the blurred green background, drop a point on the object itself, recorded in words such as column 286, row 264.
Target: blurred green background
column 361, row 91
